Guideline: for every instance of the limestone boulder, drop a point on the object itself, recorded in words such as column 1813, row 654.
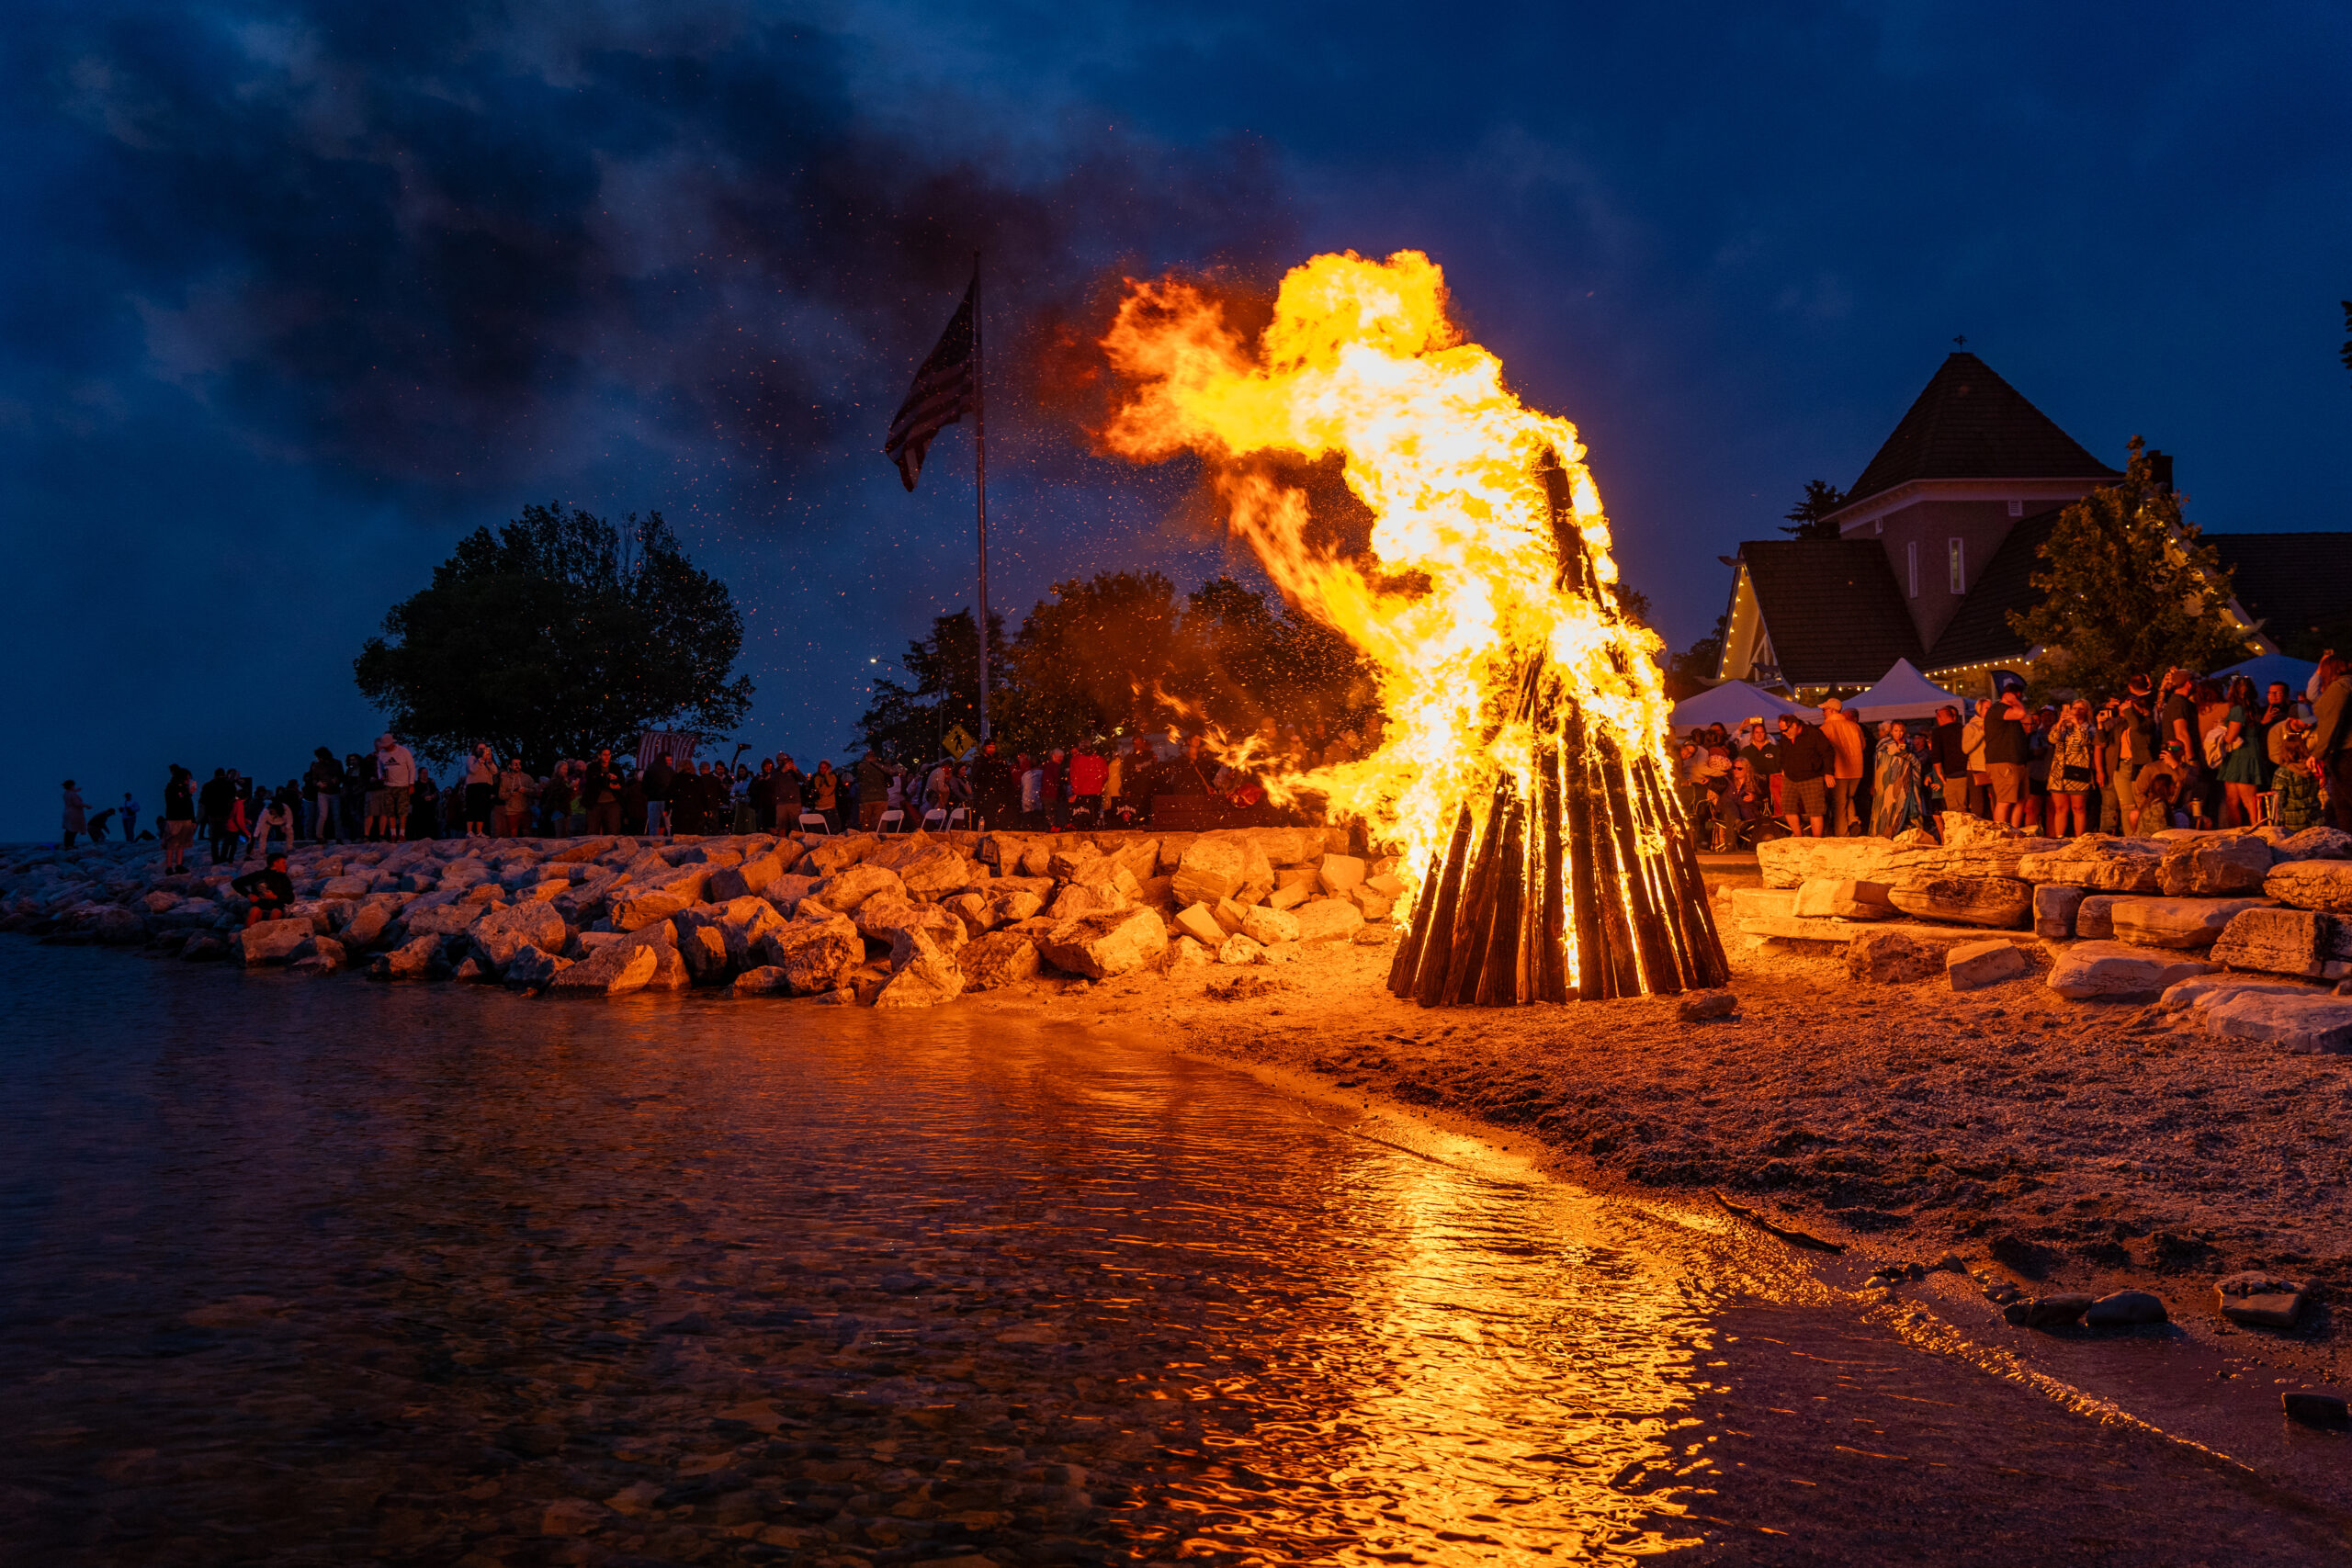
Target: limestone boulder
column 122, row 928
column 815, row 956
column 1217, row 866
column 320, row 955
column 2216, row 867
column 529, row 969
column 2277, row 941
column 272, row 941
column 1787, row 863
column 613, row 970
column 923, row 973
column 974, row 909
column 2095, row 917
column 2313, row 843
column 1081, row 898
column 749, row 879
column 346, row 888
column 830, row 856
column 2175, row 922
column 2264, row 1301
column 1291, row 896
column 1240, row 950
column 767, row 980
column 1117, row 942
column 2112, row 970
column 2322, row 884
column 1899, row 956
column 1010, row 908
column 847, row 890
column 1185, row 952
column 1376, row 904
column 885, row 915
column 1846, row 899
column 669, row 970
column 502, row 932
column 998, row 960
column 1199, row 922
column 2003, row 902
column 2311, row 1021
column 409, row 961
column 1267, row 926
column 1326, row 920
column 1139, row 857
column 2055, row 904
column 2099, row 864
column 1339, row 874
column 941, row 870
column 1974, row 966
column 704, row 952
column 634, row 911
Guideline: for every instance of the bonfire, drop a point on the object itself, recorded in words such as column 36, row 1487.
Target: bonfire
column 1521, row 777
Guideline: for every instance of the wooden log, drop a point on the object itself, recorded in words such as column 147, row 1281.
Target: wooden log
column 1474, row 921
column 1498, row 978
column 1552, row 950
column 1704, row 946
column 1437, row 947
column 1624, row 972
column 1568, row 539
column 1408, row 951
column 1653, row 926
column 1584, row 880
column 1669, row 874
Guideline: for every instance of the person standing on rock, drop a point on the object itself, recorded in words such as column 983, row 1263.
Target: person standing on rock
column 2074, row 770
column 1980, row 781
column 76, row 822
column 514, row 792
column 274, row 818
column 825, row 795
column 128, row 813
column 1845, row 738
column 212, row 806
column 600, row 791
column 2295, row 786
column 179, row 821
column 1805, row 761
column 387, row 804
column 2331, row 735
column 323, row 780
column 1087, row 774
column 2008, row 755
column 1949, row 744
column 659, row 781
column 994, row 792
column 2242, row 761
column 1897, row 800
column 481, row 791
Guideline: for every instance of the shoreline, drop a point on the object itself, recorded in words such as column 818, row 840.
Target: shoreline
column 2054, row 1144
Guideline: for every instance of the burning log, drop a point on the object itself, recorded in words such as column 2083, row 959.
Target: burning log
column 1589, row 883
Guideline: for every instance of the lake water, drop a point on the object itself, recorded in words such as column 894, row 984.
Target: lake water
column 319, row 1271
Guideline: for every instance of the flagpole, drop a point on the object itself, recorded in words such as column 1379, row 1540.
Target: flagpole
column 980, row 480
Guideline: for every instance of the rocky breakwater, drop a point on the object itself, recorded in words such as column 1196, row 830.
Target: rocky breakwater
column 855, row 919
column 2112, row 919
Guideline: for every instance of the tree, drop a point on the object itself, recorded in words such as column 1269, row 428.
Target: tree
column 2126, row 587
column 1810, row 515
column 1244, row 664
column 1690, row 672
column 1096, row 658
column 2345, row 354
column 558, row 636
column 908, row 722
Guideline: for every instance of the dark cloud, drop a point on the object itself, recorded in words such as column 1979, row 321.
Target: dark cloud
column 444, row 244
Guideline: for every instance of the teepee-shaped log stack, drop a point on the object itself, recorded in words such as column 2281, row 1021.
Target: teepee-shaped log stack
column 1588, row 888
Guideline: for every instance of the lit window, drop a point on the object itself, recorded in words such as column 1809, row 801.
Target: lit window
column 1959, row 567
column 1911, row 558
column 2017, row 509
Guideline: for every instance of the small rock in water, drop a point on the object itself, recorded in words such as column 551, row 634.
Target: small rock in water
column 2047, row 1312
column 2125, row 1309
column 1706, row 1005
column 2315, row 1407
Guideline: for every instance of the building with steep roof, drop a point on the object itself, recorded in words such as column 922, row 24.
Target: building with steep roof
column 1938, row 540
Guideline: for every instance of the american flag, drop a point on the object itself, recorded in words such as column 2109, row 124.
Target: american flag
column 678, row 749
column 942, row 391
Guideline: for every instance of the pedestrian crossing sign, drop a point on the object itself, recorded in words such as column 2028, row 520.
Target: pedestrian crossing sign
column 959, row 742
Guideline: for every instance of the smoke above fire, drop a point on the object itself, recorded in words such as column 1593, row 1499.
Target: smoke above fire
column 1457, row 595
column 461, row 245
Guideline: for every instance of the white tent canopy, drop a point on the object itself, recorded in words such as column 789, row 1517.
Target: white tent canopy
column 2297, row 673
column 1734, row 703
column 1901, row 693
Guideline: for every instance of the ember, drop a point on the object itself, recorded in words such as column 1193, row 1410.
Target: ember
column 1523, row 771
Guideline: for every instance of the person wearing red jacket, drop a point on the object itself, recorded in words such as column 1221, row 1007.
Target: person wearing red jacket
column 1088, row 772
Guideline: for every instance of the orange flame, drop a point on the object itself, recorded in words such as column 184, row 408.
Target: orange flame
column 1461, row 589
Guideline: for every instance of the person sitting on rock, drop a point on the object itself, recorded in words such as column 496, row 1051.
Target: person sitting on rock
column 2155, row 804
column 271, row 890
column 2295, row 786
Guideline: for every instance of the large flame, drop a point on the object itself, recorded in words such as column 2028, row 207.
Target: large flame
column 1461, row 592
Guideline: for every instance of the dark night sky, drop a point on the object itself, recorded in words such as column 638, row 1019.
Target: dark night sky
column 295, row 295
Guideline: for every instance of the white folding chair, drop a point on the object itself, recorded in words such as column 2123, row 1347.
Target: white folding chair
column 814, row 822
column 960, row 818
column 935, row 819
column 891, row 821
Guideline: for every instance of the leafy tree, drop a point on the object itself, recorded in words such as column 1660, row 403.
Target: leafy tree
column 1096, row 658
column 907, row 722
column 1690, row 672
column 1245, row 663
column 2127, row 586
column 557, row 636
column 1810, row 515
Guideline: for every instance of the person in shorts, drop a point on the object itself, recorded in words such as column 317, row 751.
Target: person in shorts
column 1806, row 760
column 2006, row 755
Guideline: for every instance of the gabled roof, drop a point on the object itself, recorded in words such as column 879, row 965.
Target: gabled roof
column 2295, row 584
column 1970, row 424
column 1831, row 608
column 1979, row 629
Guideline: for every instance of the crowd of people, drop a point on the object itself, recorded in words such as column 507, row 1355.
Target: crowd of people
column 384, row 795
column 2180, row 751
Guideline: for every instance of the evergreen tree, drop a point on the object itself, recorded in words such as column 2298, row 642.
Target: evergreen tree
column 1810, row 515
column 1690, row 672
column 2126, row 587
column 558, row 636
